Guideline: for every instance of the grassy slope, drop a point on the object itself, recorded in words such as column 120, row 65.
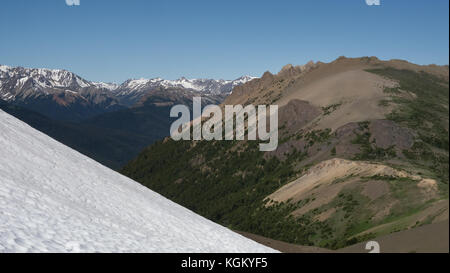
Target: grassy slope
column 426, row 112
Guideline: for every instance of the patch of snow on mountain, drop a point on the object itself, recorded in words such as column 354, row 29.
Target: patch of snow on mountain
column 54, row 199
column 42, row 77
column 136, row 84
column 210, row 86
column 4, row 68
column 106, row 85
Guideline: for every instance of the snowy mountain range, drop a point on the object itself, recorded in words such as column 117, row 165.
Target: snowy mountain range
column 54, row 199
column 109, row 122
column 18, row 83
column 63, row 95
column 210, row 86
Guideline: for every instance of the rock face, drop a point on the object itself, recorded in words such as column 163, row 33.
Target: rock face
column 386, row 133
column 296, row 114
column 267, row 88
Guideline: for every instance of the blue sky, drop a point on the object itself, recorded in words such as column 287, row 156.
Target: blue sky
column 117, row 40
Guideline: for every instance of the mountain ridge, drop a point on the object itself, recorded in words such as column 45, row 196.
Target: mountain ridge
column 43, row 78
column 361, row 112
column 63, row 95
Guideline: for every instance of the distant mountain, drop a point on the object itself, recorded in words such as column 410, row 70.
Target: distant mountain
column 132, row 91
column 17, row 80
column 110, row 123
column 106, row 85
column 63, row 95
column 58, row 94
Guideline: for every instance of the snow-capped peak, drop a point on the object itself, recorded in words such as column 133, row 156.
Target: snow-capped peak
column 38, row 79
column 21, row 83
column 210, row 86
column 106, row 85
column 4, row 68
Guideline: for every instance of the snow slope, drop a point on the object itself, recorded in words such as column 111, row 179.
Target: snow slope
column 53, row 199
